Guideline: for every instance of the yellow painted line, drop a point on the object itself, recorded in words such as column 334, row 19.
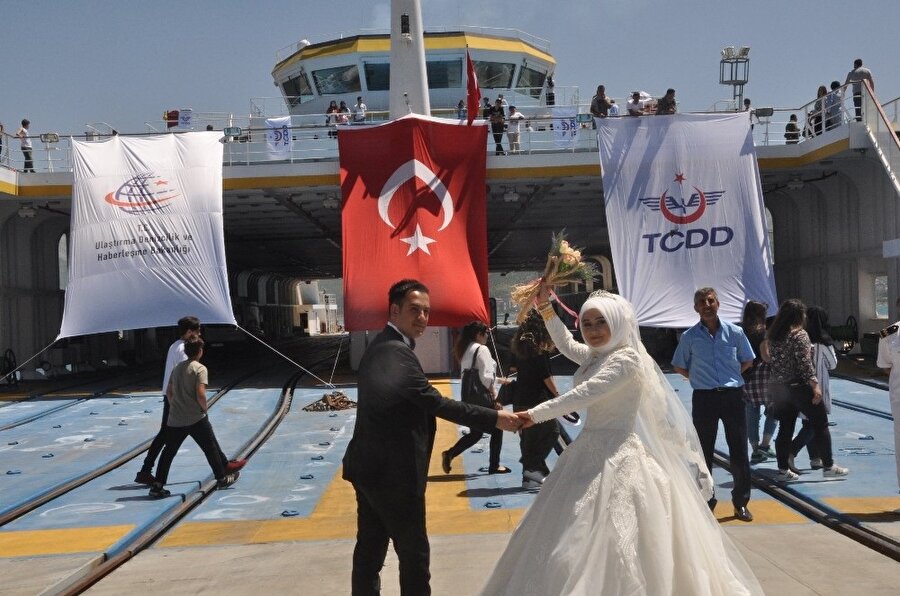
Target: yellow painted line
column 776, row 163
column 765, row 512
column 870, row 508
column 543, row 172
column 334, row 516
column 281, row 181
column 382, row 44
column 7, row 187
column 33, row 543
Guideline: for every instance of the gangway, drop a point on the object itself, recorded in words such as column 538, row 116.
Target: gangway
column 881, row 133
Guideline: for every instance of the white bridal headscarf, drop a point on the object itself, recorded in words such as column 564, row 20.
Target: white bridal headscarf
column 665, row 427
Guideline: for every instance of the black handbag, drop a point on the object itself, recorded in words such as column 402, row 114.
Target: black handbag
column 473, row 390
column 507, row 393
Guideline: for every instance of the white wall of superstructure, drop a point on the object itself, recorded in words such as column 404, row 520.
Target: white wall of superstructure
column 828, row 240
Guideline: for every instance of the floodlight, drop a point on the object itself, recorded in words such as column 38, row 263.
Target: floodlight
column 744, row 52
column 728, row 52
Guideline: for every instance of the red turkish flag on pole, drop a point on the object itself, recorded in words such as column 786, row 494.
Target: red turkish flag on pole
column 414, row 207
column 473, row 93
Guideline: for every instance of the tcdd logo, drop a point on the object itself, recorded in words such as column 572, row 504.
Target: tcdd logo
column 680, row 211
column 144, row 193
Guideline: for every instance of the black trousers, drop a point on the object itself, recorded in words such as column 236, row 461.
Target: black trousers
column 536, row 444
column 159, row 441
column 497, row 132
column 727, row 405
column 29, row 162
column 398, row 514
column 789, row 401
column 202, row 433
column 473, row 437
column 804, row 438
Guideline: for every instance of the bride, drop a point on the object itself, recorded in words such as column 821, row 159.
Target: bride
column 624, row 511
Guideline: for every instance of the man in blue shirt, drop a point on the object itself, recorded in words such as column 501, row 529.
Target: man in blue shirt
column 712, row 355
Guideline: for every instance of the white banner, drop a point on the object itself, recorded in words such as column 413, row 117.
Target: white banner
column 147, row 244
column 278, row 137
column 685, row 210
column 565, row 126
column 186, row 117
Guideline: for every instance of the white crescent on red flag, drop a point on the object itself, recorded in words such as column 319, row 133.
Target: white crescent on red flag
column 473, row 93
column 414, row 207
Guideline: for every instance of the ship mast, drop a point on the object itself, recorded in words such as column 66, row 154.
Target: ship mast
column 409, row 81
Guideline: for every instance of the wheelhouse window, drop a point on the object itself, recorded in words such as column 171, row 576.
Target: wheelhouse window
column 444, row 74
column 494, row 75
column 297, row 90
column 334, row 81
column 531, row 81
column 378, row 76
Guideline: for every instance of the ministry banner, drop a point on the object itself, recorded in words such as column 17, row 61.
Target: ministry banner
column 414, row 207
column 684, row 207
column 147, row 245
column 278, row 137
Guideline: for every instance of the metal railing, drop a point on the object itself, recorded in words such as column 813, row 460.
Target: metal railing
column 314, row 136
column 815, row 118
column 882, row 132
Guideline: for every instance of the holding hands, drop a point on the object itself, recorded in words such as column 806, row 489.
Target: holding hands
column 508, row 421
column 526, row 419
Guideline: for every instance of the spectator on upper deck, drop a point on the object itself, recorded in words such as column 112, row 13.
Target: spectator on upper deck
column 856, row 76
column 833, row 103
column 792, row 131
column 599, row 103
column 613, row 108
column 359, row 111
column 461, row 110
column 666, row 103
column 815, row 117
column 634, row 105
column 25, row 140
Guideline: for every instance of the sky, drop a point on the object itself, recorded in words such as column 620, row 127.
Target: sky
column 74, row 62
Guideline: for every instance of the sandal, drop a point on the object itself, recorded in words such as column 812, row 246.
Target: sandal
column 500, row 470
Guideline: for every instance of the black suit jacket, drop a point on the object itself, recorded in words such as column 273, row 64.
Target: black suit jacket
column 395, row 418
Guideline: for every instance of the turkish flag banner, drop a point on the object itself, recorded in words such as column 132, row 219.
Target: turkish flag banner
column 414, row 207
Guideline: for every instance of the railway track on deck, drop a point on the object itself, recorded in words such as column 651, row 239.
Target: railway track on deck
column 105, row 563
column 821, row 512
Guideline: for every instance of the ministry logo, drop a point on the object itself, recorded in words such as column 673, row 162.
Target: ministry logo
column 142, row 194
column 676, row 209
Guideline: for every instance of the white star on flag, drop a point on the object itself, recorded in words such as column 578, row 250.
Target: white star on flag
column 418, row 241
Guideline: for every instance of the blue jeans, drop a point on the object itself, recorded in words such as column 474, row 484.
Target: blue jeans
column 753, row 411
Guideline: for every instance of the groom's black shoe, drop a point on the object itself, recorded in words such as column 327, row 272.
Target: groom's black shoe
column 743, row 514
column 445, row 462
column 712, row 504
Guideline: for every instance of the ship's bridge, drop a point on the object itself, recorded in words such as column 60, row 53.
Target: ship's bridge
column 831, row 199
column 506, row 61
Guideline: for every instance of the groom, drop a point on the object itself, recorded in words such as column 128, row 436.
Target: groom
column 387, row 458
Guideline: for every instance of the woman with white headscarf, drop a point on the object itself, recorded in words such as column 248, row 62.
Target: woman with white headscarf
column 624, row 510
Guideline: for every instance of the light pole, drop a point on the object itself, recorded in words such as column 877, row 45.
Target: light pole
column 734, row 70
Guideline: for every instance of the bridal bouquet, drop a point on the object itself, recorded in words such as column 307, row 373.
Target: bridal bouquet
column 564, row 265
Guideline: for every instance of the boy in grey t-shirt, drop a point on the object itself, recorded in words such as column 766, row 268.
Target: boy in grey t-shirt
column 187, row 417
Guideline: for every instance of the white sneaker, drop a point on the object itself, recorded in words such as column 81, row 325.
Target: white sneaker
column 786, row 476
column 835, row 471
column 533, row 475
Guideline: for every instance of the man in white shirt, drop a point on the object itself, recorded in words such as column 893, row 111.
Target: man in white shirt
column 25, row 140
column 359, row 111
column 856, row 76
column 513, row 127
column 188, row 329
column 634, row 105
column 889, row 360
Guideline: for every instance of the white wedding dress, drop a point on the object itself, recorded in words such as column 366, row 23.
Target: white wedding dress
column 619, row 515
